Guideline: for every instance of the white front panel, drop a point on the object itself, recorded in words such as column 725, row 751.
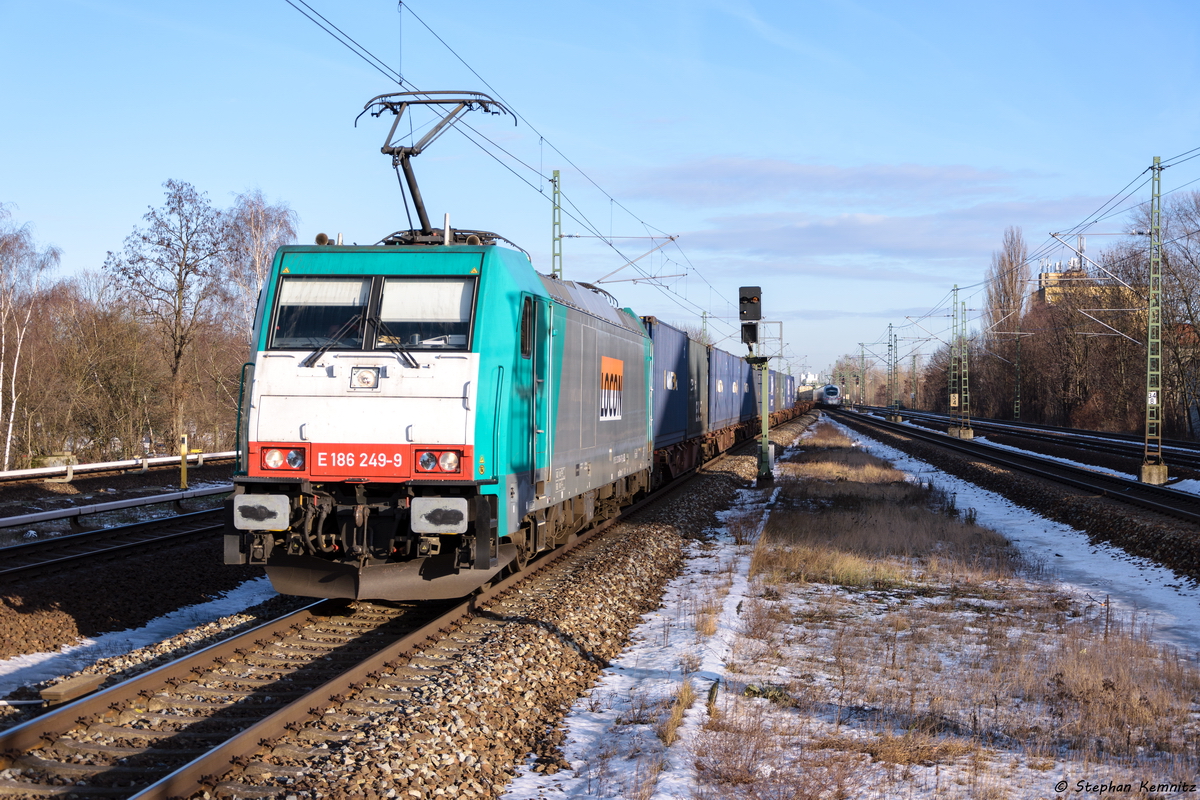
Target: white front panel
column 365, row 420
column 434, row 404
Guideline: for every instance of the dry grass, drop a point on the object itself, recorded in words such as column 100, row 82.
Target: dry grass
column 745, row 753
column 704, row 616
column 893, row 635
column 668, row 729
column 911, row 747
column 1111, row 691
column 645, row 778
column 852, row 465
column 743, row 527
column 868, row 526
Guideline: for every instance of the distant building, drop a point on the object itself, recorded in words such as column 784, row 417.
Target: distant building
column 1076, row 284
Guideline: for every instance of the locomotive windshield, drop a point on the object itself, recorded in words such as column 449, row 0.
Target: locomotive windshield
column 321, row 312
column 424, row 313
column 420, row 313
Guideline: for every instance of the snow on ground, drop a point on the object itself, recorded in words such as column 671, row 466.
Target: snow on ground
column 614, row 735
column 34, row 668
column 1069, row 462
column 1085, row 569
column 1190, row 486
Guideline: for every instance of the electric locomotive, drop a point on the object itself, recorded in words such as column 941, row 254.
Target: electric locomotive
column 419, row 417
column 423, row 413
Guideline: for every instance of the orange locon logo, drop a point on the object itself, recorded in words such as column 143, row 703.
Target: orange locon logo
column 612, row 380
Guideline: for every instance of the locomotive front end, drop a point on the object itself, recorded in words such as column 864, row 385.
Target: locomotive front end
column 361, row 475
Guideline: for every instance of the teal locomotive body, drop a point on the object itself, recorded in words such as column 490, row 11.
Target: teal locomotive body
column 419, row 417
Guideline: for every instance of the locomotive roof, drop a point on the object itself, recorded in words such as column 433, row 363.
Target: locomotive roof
column 592, row 300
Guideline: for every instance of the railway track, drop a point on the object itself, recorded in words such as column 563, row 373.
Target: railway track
column 1178, row 453
column 252, row 714
column 112, row 468
column 1171, row 502
column 35, row 557
column 141, row 731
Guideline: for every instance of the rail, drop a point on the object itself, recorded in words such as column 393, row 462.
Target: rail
column 1182, row 444
column 199, row 774
column 1180, row 453
column 115, row 505
column 1172, row 502
column 108, row 466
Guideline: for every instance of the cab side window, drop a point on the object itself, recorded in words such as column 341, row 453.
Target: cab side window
column 527, row 328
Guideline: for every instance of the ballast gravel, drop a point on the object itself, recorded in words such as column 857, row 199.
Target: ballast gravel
column 456, row 720
column 463, row 734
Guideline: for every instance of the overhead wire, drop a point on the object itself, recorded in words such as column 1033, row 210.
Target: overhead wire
column 579, row 216
column 347, row 41
column 542, row 138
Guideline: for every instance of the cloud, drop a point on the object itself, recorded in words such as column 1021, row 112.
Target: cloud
column 723, row 182
column 963, row 232
column 804, row 265
column 826, row 314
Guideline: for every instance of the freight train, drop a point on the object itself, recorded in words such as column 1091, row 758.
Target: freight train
column 421, row 414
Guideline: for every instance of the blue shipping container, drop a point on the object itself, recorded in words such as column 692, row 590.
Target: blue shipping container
column 671, row 406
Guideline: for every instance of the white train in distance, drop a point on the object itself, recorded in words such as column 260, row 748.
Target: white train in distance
column 827, row 395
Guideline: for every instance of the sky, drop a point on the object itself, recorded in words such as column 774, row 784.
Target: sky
column 854, row 159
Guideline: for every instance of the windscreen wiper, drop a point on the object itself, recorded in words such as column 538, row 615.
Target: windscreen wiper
column 397, row 346
column 348, row 326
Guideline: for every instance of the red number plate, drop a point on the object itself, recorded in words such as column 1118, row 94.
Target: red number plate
column 359, row 460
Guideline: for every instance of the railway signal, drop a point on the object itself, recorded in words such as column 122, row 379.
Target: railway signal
column 749, row 303
column 750, row 311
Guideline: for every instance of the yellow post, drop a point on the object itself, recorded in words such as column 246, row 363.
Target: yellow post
column 183, row 450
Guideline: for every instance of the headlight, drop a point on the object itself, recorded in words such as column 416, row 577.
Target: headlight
column 449, row 462
column 364, row 377
column 428, row 461
column 277, row 458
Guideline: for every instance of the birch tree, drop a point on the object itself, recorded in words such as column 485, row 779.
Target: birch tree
column 258, row 229
column 22, row 268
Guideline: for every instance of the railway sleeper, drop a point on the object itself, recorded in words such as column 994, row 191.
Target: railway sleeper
column 114, row 751
column 390, row 695
column 364, row 707
column 311, row 734
column 232, row 790
column 226, row 691
column 134, row 715
column 170, row 703
column 74, row 770
column 338, row 718
column 11, row 788
column 116, row 732
column 261, row 768
column 430, row 662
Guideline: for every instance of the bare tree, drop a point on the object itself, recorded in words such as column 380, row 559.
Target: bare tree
column 22, row 267
column 258, row 229
column 174, row 270
column 1181, row 305
column 111, row 383
column 1007, row 282
column 694, row 332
